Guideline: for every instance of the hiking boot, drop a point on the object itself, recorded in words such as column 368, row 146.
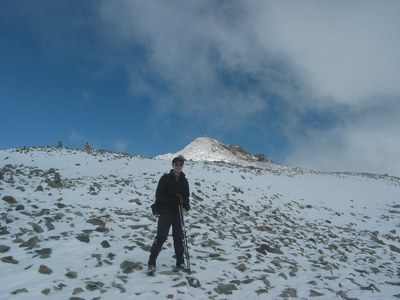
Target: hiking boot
column 152, row 261
column 181, row 267
column 151, row 269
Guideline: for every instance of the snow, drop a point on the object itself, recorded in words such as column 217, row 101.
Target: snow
column 207, row 149
column 254, row 231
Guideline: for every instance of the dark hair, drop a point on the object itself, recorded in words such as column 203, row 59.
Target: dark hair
column 179, row 158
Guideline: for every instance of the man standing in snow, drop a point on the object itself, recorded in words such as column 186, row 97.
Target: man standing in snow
column 172, row 191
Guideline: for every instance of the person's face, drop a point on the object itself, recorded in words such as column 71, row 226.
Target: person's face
column 177, row 166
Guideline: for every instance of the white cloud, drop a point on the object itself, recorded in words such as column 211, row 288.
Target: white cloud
column 190, row 47
column 349, row 50
column 343, row 52
column 367, row 143
column 224, row 62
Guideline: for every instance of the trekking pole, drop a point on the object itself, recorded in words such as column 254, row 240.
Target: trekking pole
column 185, row 244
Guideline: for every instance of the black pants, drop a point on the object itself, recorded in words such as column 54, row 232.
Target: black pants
column 168, row 217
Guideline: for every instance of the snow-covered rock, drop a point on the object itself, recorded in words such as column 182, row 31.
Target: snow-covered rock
column 207, row 149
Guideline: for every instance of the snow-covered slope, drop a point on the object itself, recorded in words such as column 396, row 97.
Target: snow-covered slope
column 207, row 149
column 77, row 225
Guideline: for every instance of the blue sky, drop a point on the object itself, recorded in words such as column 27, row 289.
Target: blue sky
column 312, row 83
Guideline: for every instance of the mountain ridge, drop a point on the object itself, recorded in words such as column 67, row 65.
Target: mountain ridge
column 255, row 161
column 208, row 149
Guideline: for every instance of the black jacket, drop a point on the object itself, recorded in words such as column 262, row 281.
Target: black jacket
column 168, row 188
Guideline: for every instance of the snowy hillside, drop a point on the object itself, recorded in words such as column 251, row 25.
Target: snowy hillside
column 77, row 225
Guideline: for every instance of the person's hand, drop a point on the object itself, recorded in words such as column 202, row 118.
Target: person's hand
column 179, row 199
column 186, row 205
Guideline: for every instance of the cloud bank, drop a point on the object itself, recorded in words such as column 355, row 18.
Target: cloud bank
column 228, row 63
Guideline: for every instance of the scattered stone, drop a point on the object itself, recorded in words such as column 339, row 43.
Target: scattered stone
column 56, row 182
column 9, row 199
column 9, row 260
column 283, row 275
column 102, row 229
column 39, row 188
column 19, row 207
column 266, row 281
column 242, row 267
column 193, row 282
column 293, row 270
column 31, row 243
column 130, row 266
column 46, row 291
column 394, row 248
column 105, row 244
column 106, row 261
column 137, row 201
column 61, row 205
column 59, row 287
column 19, row 291
column 96, row 222
column 44, row 253
column 226, row 289
column 36, row 227
column 49, row 225
column 71, row 275
column 4, row 248
column 276, row 262
column 393, row 283
column 94, row 285
column 139, row 226
column 214, row 255
column 342, row 294
column 120, row 287
column 43, row 269
column 333, row 247
column 289, row 292
column 247, row 281
column 314, row 293
column 264, row 249
column 210, row 243
column 372, row 287
column 266, row 229
column 83, row 238
column 180, row 284
column 77, row 291
column 261, row 291
column 4, row 231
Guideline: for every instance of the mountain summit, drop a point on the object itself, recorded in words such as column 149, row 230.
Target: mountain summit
column 207, row 149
